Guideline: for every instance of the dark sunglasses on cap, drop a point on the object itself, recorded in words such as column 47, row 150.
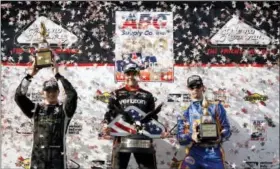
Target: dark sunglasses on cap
column 195, row 87
column 131, row 72
column 51, row 89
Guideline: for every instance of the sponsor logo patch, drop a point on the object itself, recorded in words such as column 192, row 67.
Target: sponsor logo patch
column 253, row 98
column 132, row 101
column 104, row 97
column 23, row 162
column 75, row 128
column 190, row 160
column 258, row 129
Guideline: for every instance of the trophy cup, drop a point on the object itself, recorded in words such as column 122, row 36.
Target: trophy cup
column 44, row 55
column 208, row 128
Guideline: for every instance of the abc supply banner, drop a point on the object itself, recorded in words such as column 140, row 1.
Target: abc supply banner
column 145, row 39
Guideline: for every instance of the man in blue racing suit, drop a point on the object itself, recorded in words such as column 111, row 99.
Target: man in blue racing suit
column 201, row 155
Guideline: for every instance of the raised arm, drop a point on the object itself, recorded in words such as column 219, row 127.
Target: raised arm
column 24, row 103
column 70, row 102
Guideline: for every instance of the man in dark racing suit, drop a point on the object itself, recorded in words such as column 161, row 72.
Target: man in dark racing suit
column 51, row 120
column 130, row 95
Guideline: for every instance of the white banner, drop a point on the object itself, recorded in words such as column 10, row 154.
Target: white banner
column 236, row 32
column 56, row 33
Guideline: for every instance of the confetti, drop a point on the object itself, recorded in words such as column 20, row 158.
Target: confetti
column 194, row 26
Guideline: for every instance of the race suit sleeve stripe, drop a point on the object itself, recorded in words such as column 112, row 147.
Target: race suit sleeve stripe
column 70, row 103
column 24, row 103
column 221, row 117
column 184, row 136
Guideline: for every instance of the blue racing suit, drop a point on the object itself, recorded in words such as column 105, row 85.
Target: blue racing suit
column 202, row 155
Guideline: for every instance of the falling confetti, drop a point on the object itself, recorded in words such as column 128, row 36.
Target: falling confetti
column 194, row 26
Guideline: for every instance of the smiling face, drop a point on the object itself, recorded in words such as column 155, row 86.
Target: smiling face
column 131, row 78
column 196, row 91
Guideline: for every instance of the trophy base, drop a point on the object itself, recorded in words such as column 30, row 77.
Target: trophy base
column 208, row 140
column 136, row 144
column 137, row 150
column 208, row 132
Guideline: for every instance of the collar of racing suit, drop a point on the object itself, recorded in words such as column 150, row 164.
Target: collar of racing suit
column 50, row 105
column 130, row 88
column 197, row 101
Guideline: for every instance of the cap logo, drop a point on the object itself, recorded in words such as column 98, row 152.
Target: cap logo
column 194, row 78
column 131, row 66
column 51, row 83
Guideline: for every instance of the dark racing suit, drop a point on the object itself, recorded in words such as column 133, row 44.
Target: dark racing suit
column 50, row 125
column 122, row 98
column 203, row 155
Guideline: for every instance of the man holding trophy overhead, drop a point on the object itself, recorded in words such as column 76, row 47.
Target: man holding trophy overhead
column 51, row 117
column 202, row 129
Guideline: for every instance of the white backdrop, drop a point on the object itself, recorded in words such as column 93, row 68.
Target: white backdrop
column 85, row 147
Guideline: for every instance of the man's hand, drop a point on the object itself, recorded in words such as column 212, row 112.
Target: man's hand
column 34, row 69
column 164, row 135
column 195, row 133
column 127, row 118
column 105, row 129
column 219, row 140
column 105, row 134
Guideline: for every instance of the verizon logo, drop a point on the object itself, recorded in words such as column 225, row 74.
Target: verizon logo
column 132, row 101
column 236, row 32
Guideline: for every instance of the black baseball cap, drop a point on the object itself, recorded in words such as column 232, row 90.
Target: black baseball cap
column 131, row 68
column 50, row 85
column 194, row 80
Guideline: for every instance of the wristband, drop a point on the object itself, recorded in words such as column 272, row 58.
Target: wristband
column 58, row 76
column 28, row 77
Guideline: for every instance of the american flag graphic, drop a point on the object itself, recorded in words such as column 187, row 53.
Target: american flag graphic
column 119, row 127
